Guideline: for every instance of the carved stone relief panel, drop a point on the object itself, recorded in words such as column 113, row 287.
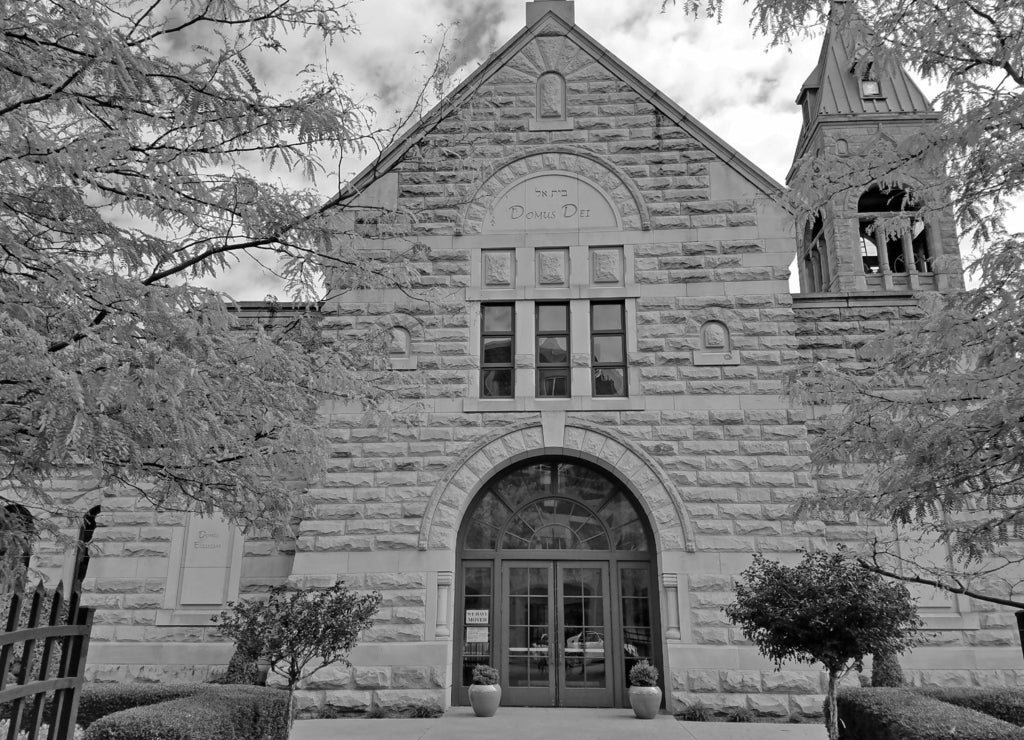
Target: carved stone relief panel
column 606, row 266
column 499, row 268
column 553, row 267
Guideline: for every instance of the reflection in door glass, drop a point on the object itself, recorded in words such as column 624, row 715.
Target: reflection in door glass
column 636, row 616
column 529, row 595
column 584, row 629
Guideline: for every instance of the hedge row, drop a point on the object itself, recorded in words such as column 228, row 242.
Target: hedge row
column 100, row 699
column 1005, row 704
column 213, row 713
column 902, row 714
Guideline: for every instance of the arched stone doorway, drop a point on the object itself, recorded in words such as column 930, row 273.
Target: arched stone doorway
column 555, row 585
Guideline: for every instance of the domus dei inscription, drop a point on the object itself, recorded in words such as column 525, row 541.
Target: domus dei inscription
column 552, row 202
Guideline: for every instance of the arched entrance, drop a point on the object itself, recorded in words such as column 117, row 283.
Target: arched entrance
column 555, row 586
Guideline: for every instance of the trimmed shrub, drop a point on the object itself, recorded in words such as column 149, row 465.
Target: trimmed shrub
column 886, row 671
column 1005, row 704
column 100, row 699
column 213, row 713
column 902, row 714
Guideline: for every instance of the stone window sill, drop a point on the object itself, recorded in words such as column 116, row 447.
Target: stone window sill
column 557, row 124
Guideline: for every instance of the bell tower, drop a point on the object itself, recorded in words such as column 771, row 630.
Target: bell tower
column 880, row 233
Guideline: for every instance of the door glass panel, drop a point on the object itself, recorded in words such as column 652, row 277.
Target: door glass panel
column 476, row 597
column 636, row 616
column 583, row 628
column 528, row 628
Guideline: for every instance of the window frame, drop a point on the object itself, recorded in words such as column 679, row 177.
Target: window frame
column 510, row 334
column 539, row 335
column 621, row 333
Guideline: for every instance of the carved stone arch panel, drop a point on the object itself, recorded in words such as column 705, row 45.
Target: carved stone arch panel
column 631, row 466
column 613, row 183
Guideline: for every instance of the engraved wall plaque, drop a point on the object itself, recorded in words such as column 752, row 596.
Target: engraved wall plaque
column 209, row 542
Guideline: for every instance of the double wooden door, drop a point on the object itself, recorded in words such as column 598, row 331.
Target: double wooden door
column 556, row 637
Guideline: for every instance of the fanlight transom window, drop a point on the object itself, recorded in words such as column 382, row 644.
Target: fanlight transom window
column 555, row 506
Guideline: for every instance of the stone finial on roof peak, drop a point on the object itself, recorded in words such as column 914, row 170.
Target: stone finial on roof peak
column 564, row 9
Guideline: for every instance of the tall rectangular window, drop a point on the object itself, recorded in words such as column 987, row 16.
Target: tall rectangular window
column 497, row 350
column 608, row 348
column 553, row 350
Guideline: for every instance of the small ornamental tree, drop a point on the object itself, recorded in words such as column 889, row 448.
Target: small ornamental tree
column 826, row 609
column 299, row 632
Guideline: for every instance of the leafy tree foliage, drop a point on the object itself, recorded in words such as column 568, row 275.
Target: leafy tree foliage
column 300, row 632
column 826, row 609
column 938, row 416
column 130, row 133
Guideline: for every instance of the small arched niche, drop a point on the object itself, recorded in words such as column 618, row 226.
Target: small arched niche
column 552, row 104
column 715, row 345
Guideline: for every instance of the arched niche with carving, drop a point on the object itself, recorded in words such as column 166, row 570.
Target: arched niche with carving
column 552, row 104
column 715, row 345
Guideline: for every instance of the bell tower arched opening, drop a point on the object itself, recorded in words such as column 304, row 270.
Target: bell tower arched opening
column 555, row 585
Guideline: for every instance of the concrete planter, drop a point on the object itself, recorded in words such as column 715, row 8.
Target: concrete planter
column 645, row 700
column 485, row 699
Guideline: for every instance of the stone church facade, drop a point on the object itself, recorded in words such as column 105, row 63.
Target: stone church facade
column 603, row 437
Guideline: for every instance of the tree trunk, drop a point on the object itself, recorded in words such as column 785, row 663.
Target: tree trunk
column 291, row 704
column 831, row 714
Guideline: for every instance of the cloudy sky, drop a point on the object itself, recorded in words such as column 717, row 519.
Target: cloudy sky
column 720, row 73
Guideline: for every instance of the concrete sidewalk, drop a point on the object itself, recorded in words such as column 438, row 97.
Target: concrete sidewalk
column 515, row 723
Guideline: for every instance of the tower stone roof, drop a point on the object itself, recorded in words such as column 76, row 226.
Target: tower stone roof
column 833, row 87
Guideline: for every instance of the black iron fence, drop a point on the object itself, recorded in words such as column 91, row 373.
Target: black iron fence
column 42, row 662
